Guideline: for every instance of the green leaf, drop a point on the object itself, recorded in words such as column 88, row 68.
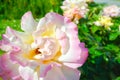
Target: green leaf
column 94, row 52
column 118, row 78
column 118, row 57
column 113, row 36
column 85, row 28
column 112, row 47
column 94, row 28
column 98, row 38
column 1, row 52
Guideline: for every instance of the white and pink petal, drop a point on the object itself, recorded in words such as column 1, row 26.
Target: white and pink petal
column 77, row 53
column 28, row 24
column 28, row 73
column 8, row 69
column 62, row 73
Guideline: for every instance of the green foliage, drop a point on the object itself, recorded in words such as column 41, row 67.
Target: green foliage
column 104, row 46
column 14, row 9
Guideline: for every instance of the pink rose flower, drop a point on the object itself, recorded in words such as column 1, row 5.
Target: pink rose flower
column 74, row 9
column 112, row 11
column 45, row 50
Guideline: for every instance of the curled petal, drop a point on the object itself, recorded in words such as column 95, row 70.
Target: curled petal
column 63, row 40
column 28, row 23
column 77, row 53
column 10, row 40
column 10, row 36
column 58, row 20
column 10, row 33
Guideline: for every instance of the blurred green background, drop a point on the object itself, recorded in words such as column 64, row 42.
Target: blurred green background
column 14, row 9
column 103, row 62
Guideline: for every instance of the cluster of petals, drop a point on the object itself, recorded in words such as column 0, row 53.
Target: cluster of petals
column 74, row 9
column 111, row 11
column 44, row 50
column 104, row 21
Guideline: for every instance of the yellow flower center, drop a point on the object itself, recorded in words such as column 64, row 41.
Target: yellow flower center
column 46, row 48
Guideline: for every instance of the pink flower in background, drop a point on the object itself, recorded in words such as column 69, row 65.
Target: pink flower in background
column 74, row 9
column 45, row 50
column 112, row 11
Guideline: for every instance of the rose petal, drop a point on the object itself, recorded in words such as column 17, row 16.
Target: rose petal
column 44, row 69
column 28, row 73
column 18, row 57
column 50, row 18
column 26, row 38
column 62, row 73
column 63, row 40
column 9, row 32
column 28, row 23
column 5, row 45
column 8, row 69
column 77, row 54
column 79, row 62
column 11, row 36
column 10, row 39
